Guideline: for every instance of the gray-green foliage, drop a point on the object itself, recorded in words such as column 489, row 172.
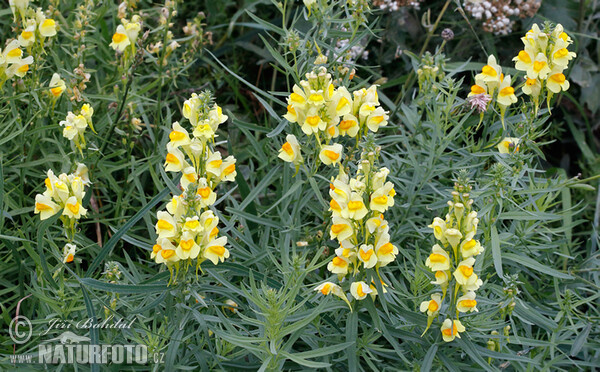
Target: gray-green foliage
column 538, row 305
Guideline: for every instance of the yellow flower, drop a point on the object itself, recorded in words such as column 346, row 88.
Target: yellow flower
column 216, row 251
column 291, row 114
column 451, row 329
column 439, row 227
column 132, row 29
column 166, row 256
column 188, row 177
column 313, row 123
column 346, row 250
column 341, row 229
column 331, row 288
column 207, row 195
column 348, row 126
column 378, row 118
column 47, row 28
column 467, row 303
column 490, row 73
column 360, row 290
column 12, row 53
column 465, row 276
column 27, row 37
column 161, row 243
column 532, row 87
column 175, row 160
column 228, row 172
column 19, row 68
column 471, row 222
column 524, row 60
column 441, row 277
column 179, row 136
column 431, row 307
column 338, row 265
column 560, row 55
column 375, row 223
column 438, row 260
column 557, row 81
column 341, row 102
column 192, row 225
column 470, row 247
column 326, row 288
column 508, row 145
column 18, row 6
column 331, row 154
column 45, row 206
column 355, row 208
column 74, row 209
column 166, row 227
column 69, row 252
column 120, row 41
column 539, row 67
column 187, row 247
column 290, row 151
column 367, row 255
column 535, row 39
column 386, row 251
column 57, row 85
column 453, row 237
column 506, row 94
column 382, row 198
